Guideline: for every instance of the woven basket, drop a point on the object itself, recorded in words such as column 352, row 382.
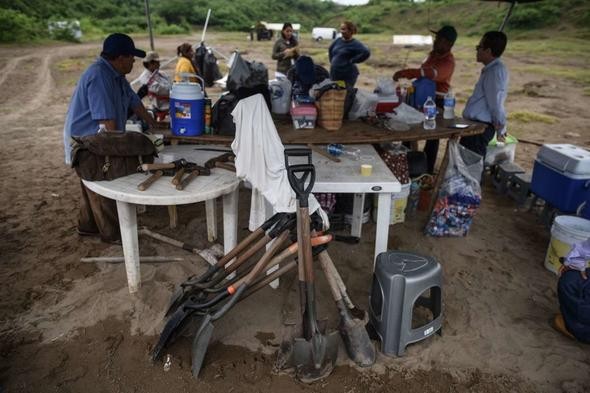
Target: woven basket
column 331, row 109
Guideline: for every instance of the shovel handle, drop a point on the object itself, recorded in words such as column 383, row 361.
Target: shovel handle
column 148, row 182
column 177, row 177
column 325, row 261
column 298, row 175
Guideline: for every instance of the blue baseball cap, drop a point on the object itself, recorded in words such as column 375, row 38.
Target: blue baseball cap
column 118, row 44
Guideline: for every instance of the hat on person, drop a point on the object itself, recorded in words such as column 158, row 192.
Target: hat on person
column 119, row 44
column 151, row 56
column 447, row 32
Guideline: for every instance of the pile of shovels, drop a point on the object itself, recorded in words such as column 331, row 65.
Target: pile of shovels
column 203, row 299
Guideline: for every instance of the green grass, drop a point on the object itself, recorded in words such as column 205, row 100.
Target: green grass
column 531, row 117
column 581, row 75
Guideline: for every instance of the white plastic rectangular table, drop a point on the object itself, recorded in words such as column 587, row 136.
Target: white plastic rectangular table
column 203, row 188
column 345, row 177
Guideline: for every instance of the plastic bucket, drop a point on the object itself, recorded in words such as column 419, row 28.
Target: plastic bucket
column 399, row 201
column 187, row 109
column 565, row 232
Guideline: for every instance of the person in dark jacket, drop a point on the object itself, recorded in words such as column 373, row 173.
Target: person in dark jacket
column 286, row 49
column 344, row 53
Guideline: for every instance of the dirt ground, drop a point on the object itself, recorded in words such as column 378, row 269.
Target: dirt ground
column 67, row 326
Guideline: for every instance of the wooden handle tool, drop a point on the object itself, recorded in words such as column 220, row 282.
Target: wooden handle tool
column 156, row 166
column 148, row 182
column 178, row 176
column 187, row 180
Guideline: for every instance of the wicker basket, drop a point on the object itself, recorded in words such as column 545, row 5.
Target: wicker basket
column 331, row 109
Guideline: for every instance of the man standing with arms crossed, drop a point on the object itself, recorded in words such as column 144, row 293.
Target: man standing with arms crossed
column 439, row 67
column 101, row 100
column 486, row 104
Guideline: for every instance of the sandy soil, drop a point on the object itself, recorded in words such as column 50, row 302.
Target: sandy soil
column 67, row 326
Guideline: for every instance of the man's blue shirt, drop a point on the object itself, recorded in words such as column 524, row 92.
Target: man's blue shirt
column 486, row 104
column 102, row 93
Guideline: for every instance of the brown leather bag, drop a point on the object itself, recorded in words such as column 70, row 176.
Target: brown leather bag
column 110, row 155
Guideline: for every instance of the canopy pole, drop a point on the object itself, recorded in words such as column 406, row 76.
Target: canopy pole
column 512, row 4
column 205, row 27
column 149, row 23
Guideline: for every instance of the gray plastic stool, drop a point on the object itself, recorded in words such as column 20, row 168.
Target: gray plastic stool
column 399, row 280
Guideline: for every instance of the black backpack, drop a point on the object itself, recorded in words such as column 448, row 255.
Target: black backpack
column 221, row 118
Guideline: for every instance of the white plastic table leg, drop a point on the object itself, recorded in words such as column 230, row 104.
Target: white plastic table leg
column 128, row 226
column 382, row 226
column 211, row 214
column 230, row 223
column 357, row 215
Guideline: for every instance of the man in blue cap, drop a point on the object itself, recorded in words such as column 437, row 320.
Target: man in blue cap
column 101, row 100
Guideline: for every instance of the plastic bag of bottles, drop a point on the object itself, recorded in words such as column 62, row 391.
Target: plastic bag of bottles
column 459, row 195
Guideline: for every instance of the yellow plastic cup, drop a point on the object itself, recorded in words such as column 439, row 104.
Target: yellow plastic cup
column 366, row 169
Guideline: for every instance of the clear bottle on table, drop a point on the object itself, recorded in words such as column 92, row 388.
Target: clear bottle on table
column 429, row 110
column 337, row 149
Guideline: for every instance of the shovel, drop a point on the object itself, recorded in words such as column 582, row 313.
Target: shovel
column 313, row 356
column 205, row 331
column 179, row 295
column 356, row 339
column 175, row 322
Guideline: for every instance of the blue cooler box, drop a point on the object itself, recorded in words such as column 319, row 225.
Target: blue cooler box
column 561, row 176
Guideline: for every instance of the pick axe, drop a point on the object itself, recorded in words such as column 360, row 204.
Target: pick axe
column 193, row 171
column 222, row 161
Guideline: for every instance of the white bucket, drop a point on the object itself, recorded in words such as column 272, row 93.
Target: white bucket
column 565, row 232
column 399, row 201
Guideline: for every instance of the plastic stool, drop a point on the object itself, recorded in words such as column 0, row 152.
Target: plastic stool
column 519, row 187
column 503, row 174
column 399, row 280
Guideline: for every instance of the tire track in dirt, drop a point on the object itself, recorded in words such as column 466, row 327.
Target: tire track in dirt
column 11, row 66
column 43, row 85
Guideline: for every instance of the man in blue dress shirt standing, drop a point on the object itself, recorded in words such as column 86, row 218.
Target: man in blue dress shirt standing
column 101, row 100
column 486, row 104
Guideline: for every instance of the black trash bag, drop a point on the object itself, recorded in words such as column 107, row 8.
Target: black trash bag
column 199, row 58
column 246, row 74
column 210, row 69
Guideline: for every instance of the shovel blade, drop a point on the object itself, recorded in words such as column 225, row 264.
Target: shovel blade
column 315, row 359
column 356, row 340
column 200, row 344
column 311, row 360
column 174, row 322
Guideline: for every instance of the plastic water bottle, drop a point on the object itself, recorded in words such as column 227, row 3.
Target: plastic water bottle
column 337, row 149
column 429, row 114
column 449, row 104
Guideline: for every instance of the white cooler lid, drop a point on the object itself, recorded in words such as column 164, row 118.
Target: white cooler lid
column 565, row 158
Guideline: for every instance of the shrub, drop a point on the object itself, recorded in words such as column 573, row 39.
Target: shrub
column 18, row 27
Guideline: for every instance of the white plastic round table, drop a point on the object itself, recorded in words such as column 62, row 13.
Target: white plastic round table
column 220, row 182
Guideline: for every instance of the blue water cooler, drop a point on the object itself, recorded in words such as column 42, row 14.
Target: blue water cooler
column 187, row 109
